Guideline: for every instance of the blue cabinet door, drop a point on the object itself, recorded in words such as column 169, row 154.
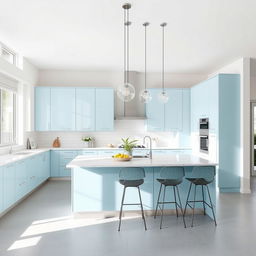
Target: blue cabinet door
column 9, row 185
column 55, row 163
column 1, row 190
column 213, row 103
column 63, row 109
column 21, row 179
column 104, row 109
column 46, row 169
column 65, row 157
column 155, row 112
column 42, row 108
column 173, row 110
column 85, row 109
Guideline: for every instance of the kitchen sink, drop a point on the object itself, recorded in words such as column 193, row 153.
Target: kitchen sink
column 140, row 156
column 22, row 153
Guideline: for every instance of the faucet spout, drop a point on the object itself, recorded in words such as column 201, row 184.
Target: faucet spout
column 150, row 145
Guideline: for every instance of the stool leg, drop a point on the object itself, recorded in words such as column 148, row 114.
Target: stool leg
column 158, row 201
column 181, row 207
column 142, row 212
column 194, row 207
column 203, row 198
column 187, row 199
column 175, row 201
column 162, row 209
column 211, row 205
column 121, row 209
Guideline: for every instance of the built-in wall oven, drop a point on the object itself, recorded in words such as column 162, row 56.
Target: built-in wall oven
column 204, row 134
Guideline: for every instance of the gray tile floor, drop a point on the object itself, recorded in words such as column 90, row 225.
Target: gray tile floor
column 42, row 225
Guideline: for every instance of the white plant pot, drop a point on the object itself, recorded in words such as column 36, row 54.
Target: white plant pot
column 86, row 144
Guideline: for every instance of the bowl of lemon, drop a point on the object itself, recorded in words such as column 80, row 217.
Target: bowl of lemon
column 122, row 157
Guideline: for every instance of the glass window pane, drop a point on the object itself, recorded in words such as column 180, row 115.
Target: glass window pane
column 7, row 117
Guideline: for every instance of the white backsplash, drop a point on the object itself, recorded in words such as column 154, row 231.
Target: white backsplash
column 123, row 129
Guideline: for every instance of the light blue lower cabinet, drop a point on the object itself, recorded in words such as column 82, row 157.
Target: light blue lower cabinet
column 59, row 160
column 1, row 190
column 9, row 185
column 21, row 179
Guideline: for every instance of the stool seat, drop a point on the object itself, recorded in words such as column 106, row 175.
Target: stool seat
column 198, row 181
column 131, row 183
column 169, row 182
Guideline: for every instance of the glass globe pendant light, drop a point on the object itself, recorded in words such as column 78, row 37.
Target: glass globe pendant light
column 162, row 96
column 126, row 92
column 145, row 96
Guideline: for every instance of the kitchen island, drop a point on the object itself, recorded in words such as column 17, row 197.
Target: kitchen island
column 95, row 186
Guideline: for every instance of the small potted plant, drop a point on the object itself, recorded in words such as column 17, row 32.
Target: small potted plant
column 128, row 145
column 87, row 142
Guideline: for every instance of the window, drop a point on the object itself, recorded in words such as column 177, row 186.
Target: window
column 8, row 117
column 8, row 54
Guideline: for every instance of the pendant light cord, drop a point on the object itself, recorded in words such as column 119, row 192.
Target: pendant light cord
column 124, row 46
column 145, row 56
column 128, row 39
column 163, row 25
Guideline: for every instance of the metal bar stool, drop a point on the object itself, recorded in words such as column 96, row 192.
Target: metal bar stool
column 170, row 177
column 201, row 176
column 131, row 177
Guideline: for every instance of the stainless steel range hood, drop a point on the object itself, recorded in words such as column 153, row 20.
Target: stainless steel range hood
column 133, row 110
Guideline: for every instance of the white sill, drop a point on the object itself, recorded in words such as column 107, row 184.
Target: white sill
column 6, row 149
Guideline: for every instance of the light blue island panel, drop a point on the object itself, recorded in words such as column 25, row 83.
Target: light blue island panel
column 104, row 109
column 98, row 189
column 85, row 109
column 173, row 110
column 63, row 109
column 155, row 112
column 229, row 133
column 9, row 185
column 42, row 108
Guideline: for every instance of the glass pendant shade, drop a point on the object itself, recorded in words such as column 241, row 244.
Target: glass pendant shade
column 126, row 92
column 145, row 96
column 163, row 97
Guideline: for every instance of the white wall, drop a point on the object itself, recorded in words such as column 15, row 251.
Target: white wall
column 242, row 67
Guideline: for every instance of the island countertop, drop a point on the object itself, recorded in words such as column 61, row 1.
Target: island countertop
column 156, row 161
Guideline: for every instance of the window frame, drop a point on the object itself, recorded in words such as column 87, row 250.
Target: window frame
column 14, row 132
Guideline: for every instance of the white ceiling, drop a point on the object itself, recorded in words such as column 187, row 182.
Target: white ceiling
column 201, row 35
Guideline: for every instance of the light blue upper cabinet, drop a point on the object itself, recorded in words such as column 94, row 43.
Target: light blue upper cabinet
column 173, row 110
column 213, row 103
column 63, row 107
column 104, row 109
column 42, row 108
column 85, row 109
column 155, row 112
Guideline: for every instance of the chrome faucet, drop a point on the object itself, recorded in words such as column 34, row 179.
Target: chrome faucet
column 150, row 145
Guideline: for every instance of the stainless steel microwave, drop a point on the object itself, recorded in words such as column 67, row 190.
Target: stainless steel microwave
column 204, row 134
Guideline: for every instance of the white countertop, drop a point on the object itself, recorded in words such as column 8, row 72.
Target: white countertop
column 108, row 148
column 15, row 156
column 166, row 160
